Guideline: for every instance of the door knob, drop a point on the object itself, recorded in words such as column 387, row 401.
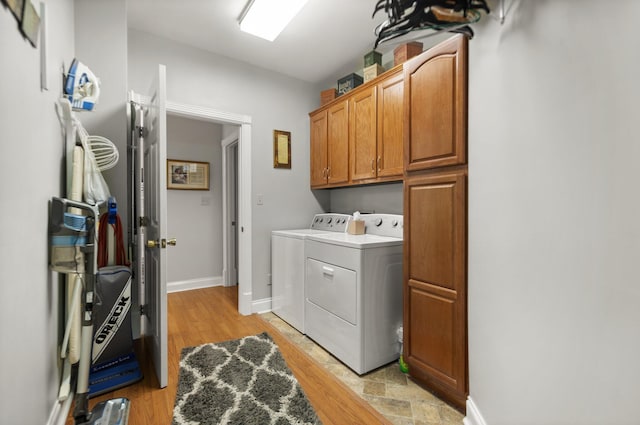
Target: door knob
column 153, row 244
column 172, row 242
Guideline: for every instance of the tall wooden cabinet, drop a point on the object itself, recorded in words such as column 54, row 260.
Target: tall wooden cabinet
column 435, row 219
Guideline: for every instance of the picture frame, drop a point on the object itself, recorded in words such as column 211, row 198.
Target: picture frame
column 281, row 149
column 17, row 8
column 30, row 25
column 187, row 175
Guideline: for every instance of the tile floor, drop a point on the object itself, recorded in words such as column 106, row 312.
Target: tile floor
column 388, row 390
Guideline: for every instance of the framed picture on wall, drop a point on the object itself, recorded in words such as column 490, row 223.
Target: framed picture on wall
column 16, row 7
column 187, row 175
column 281, row 149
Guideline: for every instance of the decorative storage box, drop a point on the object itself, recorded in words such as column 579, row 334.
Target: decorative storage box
column 372, row 72
column 372, row 58
column 348, row 83
column 327, row 96
column 406, row 51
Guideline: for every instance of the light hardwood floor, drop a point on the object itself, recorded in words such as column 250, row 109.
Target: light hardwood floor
column 211, row 315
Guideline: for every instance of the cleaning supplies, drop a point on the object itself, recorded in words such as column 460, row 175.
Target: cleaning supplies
column 404, row 367
column 81, row 87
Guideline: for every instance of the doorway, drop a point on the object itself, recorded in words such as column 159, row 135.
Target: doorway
column 243, row 245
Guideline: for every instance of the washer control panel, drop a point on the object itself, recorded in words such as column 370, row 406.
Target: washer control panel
column 331, row 222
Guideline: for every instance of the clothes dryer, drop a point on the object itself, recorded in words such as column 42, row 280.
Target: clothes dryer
column 353, row 305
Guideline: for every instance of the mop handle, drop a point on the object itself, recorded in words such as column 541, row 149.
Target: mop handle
column 71, row 316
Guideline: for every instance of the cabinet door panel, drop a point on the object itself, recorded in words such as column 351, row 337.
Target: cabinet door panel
column 433, row 332
column 338, row 143
column 390, row 126
column 318, row 150
column 435, row 229
column 435, row 316
column 436, row 106
column 362, row 123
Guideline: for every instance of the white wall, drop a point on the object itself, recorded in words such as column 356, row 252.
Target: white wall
column 101, row 44
column 554, row 229
column 194, row 216
column 273, row 101
column 379, row 198
column 31, row 173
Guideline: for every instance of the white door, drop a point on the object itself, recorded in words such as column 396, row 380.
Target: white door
column 230, row 213
column 155, row 210
column 234, row 201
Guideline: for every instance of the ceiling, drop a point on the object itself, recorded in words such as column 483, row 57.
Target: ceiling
column 326, row 38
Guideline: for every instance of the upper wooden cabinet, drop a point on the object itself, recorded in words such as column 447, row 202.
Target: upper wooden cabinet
column 390, row 126
column 376, row 136
column 330, row 145
column 338, row 143
column 362, row 134
column 318, row 149
column 358, row 138
column 435, row 105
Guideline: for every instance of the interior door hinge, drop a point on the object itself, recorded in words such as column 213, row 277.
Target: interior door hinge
column 143, row 310
column 142, row 131
column 143, row 222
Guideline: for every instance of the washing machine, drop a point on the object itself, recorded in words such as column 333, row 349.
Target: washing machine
column 353, row 302
column 288, row 266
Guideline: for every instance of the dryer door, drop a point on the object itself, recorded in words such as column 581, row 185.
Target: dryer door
column 333, row 288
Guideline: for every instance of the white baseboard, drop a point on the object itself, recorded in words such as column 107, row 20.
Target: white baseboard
column 473, row 414
column 261, row 306
column 187, row 285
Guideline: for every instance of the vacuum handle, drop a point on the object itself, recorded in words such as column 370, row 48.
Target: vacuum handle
column 61, row 204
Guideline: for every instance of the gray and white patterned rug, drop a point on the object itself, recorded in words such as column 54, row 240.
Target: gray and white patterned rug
column 244, row 381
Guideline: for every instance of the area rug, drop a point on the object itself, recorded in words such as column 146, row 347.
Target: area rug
column 244, row 381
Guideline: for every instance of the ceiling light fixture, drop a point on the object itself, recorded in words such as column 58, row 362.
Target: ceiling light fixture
column 267, row 18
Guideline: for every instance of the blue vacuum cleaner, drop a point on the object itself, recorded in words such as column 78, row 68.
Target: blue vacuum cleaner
column 114, row 364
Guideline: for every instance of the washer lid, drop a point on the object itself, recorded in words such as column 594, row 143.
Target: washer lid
column 298, row 233
column 356, row 241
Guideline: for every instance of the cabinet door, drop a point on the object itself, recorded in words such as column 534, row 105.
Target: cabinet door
column 435, row 292
column 390, row 126
column 435, row 88
column 362, row 134
column 318, row 149
column 338, row 143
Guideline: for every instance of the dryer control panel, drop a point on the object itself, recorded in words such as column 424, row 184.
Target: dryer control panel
column 383, row 224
